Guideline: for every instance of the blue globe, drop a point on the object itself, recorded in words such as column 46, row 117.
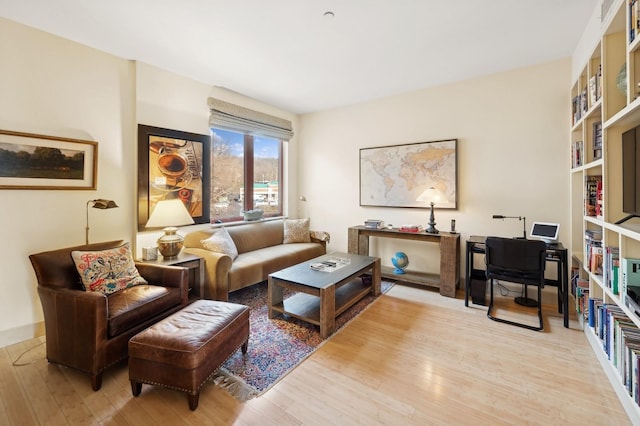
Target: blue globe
column 400, row 261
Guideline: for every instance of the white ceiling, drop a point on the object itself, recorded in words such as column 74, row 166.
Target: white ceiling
column 287, row 54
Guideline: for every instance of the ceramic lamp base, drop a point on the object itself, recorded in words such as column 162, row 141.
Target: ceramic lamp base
column 170, row 244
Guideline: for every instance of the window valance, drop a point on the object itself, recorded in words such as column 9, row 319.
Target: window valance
column 225, row 115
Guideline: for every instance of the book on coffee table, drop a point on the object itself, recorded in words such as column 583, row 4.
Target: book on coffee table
column 331, row 264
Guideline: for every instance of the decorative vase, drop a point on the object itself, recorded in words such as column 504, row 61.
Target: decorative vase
column 400, row 260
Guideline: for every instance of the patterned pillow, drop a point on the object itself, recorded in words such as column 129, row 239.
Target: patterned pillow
column 107, row 271
column 296, row 231
column 221, row 242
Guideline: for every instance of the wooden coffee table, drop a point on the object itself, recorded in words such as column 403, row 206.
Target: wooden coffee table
column 323, row 295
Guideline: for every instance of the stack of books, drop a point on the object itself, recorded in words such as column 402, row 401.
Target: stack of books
column 374, row 224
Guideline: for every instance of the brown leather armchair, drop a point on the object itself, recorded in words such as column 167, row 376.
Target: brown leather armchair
column 90, row 331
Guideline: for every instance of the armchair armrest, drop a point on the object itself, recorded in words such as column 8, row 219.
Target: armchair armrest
column 76, row 325
column 217, row 266
column 166, row 276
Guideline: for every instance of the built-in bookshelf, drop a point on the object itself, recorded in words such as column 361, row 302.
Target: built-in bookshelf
column 605, row 103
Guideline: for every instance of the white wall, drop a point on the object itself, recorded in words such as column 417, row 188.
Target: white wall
column 56, row 87
column 513, row 156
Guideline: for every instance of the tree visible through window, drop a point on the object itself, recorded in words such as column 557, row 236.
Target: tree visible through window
column 246, row 174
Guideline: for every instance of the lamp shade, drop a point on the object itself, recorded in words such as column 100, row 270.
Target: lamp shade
column 169, row 213
column 432, row 195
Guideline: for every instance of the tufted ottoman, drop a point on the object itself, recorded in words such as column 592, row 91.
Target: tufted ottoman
column 183, row 350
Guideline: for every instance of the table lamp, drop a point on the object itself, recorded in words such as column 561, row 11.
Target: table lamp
column 170, row 214
column 101, row 204
column 432, row 196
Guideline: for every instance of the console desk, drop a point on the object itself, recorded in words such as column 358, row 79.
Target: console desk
column 449, row 277
column 555, row 253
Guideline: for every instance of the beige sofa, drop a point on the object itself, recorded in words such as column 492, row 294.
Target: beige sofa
column 261, row 251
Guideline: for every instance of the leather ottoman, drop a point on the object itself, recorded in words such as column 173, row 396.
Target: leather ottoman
column 182, row 351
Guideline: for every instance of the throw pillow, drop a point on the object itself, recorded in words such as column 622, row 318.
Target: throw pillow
column 296, row 231
column 221, row 242
column 107, row 271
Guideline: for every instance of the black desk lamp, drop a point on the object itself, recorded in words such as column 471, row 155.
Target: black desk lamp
column 524, row 300
column 522, row 218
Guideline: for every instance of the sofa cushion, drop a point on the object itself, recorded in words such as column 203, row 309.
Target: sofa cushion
column 135, row 305
column 296, row 231
column 256, row 235
column 220, row 242
column 255, row 266
column 107, row 271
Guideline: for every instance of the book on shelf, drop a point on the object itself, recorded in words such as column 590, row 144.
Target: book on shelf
column 593, row 89
column 620, row 339
column 597, row 140
column 634, row 17
column 611, row 269
column 577, row 154
column 593, row 251
column 596, row 257
column 582, row 297
column 579, row 105
column 591, row 194
column 595, row 86
column 630, row 271
column 599, row 200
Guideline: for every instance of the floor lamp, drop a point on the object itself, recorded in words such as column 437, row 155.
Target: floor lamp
column 101, row 204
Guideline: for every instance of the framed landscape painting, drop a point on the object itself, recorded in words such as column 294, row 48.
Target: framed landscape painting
column 173, row 164
column 396, row 175
column 32, row 161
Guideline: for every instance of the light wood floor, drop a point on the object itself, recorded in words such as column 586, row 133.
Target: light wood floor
column 412, row 358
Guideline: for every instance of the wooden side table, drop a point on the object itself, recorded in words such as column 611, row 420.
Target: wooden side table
column 194, row 263
column 448, row 278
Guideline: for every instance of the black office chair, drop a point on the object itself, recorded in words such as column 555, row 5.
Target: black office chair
column 518, row 261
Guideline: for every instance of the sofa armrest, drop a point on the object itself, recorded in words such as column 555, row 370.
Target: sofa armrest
column 217, row 266
column 166, row 276
column 76, row 325
column 320, row 237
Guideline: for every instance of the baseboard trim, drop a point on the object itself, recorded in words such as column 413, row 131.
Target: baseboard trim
column 20, row 334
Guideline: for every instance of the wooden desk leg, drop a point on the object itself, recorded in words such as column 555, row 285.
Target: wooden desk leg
column 275, row 295
column 565, row 288
column 449, row 266
column 376, row 278
column 467, row 273
column 327, row 311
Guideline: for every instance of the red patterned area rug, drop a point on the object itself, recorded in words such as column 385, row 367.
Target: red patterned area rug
column 276, row 346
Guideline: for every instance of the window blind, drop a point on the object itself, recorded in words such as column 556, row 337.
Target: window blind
column 225, row 115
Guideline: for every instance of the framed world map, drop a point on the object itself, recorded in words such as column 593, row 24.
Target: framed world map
column 395, row 176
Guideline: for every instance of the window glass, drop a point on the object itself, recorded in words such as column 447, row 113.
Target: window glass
column 242, row 161
column 266, row 174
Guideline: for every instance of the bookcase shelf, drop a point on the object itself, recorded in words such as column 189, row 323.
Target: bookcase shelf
column 605, row 93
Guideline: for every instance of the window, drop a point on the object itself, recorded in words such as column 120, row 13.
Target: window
column 247, row 161
column 241, row 161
